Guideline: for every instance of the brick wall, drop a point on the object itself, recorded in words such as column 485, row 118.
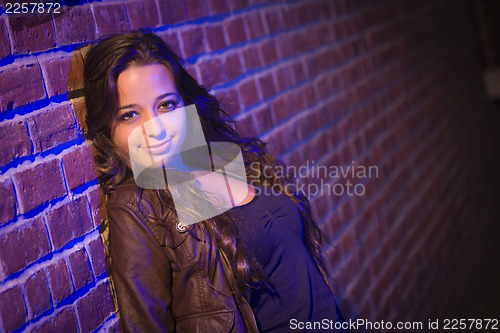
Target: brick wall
column 392, row 85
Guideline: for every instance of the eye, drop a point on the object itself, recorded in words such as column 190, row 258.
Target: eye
column 129, row 115
column 169, row 105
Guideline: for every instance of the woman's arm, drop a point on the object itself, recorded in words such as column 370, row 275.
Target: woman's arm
column 141, row 274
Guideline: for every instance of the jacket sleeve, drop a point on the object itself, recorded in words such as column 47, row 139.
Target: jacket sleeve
column 141, row 274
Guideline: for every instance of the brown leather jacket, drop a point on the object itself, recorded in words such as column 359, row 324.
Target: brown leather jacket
column 155, row 270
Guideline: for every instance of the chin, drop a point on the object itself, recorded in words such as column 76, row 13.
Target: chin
column 150, row 161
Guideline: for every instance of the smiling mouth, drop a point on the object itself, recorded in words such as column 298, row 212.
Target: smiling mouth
column 158, row 148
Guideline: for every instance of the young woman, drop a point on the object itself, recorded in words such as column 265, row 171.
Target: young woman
column 253, row 265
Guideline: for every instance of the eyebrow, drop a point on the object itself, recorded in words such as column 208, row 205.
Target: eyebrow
column 157, row 99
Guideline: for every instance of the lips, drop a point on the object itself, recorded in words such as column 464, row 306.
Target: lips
column 158, row 148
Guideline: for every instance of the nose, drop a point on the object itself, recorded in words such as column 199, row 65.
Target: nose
column 153, row 126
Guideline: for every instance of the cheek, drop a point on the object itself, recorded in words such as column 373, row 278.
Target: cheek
column 182, row 128
column 175, row 122
column 120, row 136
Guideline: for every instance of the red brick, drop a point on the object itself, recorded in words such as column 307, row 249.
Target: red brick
column 80, row 269
column 273, row 20
column 268, row 50
column 192, row 42
column 319, row 120
column 193, row 71
column 197, row 8
column 323, row 35
column 142, row 14
column 255, row 25
column 60, row 280
column 215, row 37
column 308, row 12
column 323, row 87
column 98, row 256
column 171, row 12
column 31, row 237
column 211, row 72
column 309, row 95
column 285, row 77
column 32, row 192
column 97, row 207
column 232, row 66
column 281, row 108
column 251, row 57
column 62, row 322
column 313, row 66
column 20, row 86
column 69, row 221
column 289, row 19
column 248, row 92
column 75, row 72
column 347, row 241
column 171, row 37
column 8, row 202
column 74, row 25
column 263, row 119
column 37, row 293
column 14, row 141
column 257, row 2
column 12, row 310
column 32, row 33
column 47, row 133
column 324, row 205
column 79, row 167
column 5, row 48
column 63, row 74
column 267, row 86
column 275, row 142
column 235, row 29
column 286, row 46
column 94, row 308
column 245, row 125
column 346, row 52
column 296, row 103
column 219, row 6
column 111, row 18
column 298, row 71
column 238, row 4
column 335, row 82
column 325, row 61
column 230, row 101
column 114, row 328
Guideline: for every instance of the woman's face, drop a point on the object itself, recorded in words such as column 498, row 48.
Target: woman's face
column 151, row 121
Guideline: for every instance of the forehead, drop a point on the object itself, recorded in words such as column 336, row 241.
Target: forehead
column 138, row 76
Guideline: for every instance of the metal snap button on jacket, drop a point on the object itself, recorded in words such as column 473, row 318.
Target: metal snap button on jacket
column 180, row 227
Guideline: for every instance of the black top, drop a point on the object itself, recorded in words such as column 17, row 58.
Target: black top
column 271, row 231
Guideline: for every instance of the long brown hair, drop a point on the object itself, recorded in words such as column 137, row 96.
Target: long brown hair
column 110, row 56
